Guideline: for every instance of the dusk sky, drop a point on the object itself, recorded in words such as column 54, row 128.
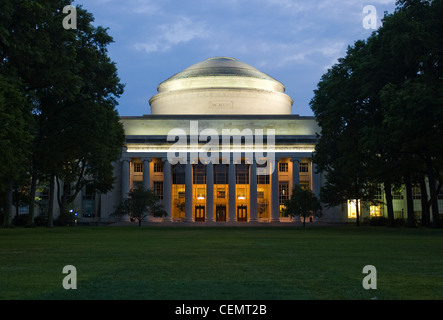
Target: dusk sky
column 293, row 41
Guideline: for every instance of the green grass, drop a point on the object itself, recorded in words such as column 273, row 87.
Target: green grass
column 184, row 263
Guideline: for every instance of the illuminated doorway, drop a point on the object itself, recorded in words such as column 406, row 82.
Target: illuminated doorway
column 220, row 213
column 242, row 213
column 200, row 213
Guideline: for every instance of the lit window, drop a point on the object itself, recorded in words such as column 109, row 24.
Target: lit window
column 138, row 167
column 201, row 193
column 283, row 167
column 352, row 209
column 304, row 185
column 375, row 211
column 241, row 195
column 304, row 167
column 158, row 167
column 221, row 193
column 158, row 189
column 283, row 192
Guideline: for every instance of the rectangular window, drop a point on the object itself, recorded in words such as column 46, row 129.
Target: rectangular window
column 283, row 192
column 283, row 167
column 378, row 194
column 305, row 185
column 221, row 174
column 375, row 211
column 23, row 210
column 221, row 193
column 263, row 179
column 397, row 195
column 201, row 193
column 241, row 194
column 138, row 167
column 242, row 174
column 260, row 194
column 352, row 209
column 158, row 189
column 416, row 192
column 178, row 174
column 158, row 167
column 304, row 167
column 199, row 174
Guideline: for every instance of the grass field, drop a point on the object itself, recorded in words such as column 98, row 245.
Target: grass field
column 241, row 263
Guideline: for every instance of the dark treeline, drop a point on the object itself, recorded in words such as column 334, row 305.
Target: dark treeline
column 380, row 109
column 58, row 91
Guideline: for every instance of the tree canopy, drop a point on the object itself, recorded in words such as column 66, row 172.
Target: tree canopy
column 380, row 110
column 64, row 88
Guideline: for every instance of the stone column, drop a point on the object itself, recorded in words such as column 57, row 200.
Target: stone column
column 295, row 172
column 126, row 181
column 232, row 203
column 167, row 188
column 210, row 191
column 146, row 173
column 188, row 192
column 253, row 192
column 275, row 207
column 126, row 177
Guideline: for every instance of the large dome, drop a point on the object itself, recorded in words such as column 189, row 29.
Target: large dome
column 221, row 85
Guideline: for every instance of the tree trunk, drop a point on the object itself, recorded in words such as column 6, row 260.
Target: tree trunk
column 432, row 191
column 409, row 201
column 51, row 202
column 389, row 205
column 7, row 218
column 357, row 213
column 30, row 220
column 425, row 214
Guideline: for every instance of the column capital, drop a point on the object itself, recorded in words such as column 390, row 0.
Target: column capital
column 295, row 159
column 148, row 159
column 125, row 159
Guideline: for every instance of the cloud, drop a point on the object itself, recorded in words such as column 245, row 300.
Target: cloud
column 181, row 31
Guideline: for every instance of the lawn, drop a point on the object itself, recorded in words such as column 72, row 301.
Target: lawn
column 247, row 263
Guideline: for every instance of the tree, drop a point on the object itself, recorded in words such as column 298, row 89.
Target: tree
column 380, row 106
column 303, row 203
column 140, row 204
column 341, row 109
column 15, row 140
column 72, row 87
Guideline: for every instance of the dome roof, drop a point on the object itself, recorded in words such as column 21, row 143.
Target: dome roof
column 221, row 66
column 221, row 72
column 221, row 85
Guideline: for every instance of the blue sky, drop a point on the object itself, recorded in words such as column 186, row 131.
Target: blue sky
column 293, row 41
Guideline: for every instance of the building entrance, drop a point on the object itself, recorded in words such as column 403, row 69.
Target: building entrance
column 220, row 213
column 200, row 213
column 242, row 213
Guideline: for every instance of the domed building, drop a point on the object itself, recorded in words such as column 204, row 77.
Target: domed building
column 220, row 145
column 221, row 86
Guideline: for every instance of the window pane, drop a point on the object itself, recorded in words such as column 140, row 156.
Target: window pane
column 158, row 189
